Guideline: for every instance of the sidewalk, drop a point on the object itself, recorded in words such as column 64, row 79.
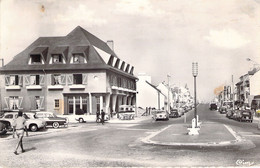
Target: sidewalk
column 210, row 134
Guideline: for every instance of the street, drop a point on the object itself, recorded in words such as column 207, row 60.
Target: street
column 121, row 145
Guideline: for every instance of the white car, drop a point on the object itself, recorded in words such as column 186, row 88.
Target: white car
column 160, row 115
column 31, row 124
column 81, row 118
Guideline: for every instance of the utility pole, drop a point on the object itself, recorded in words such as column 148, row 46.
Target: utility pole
column 168, row 104
column 233, row 97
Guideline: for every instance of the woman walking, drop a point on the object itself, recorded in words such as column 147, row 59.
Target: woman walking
column 19, row 127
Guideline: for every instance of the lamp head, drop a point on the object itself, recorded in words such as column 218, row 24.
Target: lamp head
column 195, row 69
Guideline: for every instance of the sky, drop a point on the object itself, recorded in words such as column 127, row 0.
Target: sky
column 157, row 37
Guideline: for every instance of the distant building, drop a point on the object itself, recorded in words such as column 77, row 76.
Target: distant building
column 147, row 95
column 64, row 74
column 254, row 86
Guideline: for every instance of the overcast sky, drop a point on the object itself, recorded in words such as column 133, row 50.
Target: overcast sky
column 158, row 37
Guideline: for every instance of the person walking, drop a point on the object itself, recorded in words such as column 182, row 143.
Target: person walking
column 102, row 117
column 98, row 114
column 19, row 127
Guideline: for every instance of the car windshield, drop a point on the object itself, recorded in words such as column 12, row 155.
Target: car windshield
column 53, row 115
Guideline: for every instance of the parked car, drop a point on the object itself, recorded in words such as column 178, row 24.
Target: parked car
column 245, row 115
column 126, row 112
column 3, row 127
column 52, row 119
column 225, row 106
column 81, row 118
column 230, row 113
column 160, row 115
column 213, row 106
column 174, row 113
column 31, row 124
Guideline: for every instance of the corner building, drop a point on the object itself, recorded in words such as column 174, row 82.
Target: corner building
column 64, row 74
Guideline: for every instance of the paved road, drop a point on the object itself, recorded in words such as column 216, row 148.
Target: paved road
column 91, row 144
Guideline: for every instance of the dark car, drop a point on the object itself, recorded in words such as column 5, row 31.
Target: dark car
column 245, row 115
column 174, row 113
column 213, row 106
column 52, row 119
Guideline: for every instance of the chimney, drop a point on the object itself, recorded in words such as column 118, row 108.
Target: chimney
column 110, row 43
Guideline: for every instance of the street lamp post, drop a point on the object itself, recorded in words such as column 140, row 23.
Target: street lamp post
column 195, row 74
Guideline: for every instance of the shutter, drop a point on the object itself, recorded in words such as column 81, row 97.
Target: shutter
column 20, row 102
column 27, row 80
column 70, row 79
column 52, row 79
column 7, row 102
column 63, row 79
column 7, row 80
column 85, row 79
column 41, row 102
column 41, row 79
column 20, row 80
column 33, row 103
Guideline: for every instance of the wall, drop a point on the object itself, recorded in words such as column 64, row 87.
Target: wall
column 147, row 96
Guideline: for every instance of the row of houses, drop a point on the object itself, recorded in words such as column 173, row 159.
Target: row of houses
column 246, row 92
column 160, row 95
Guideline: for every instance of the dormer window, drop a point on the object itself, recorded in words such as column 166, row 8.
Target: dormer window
column 38, row 55
column 57, row 58
column 79, row 55
column 78, row 59
column 36, row 59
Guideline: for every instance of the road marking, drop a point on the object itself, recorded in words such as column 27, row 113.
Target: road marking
column 238, row 138
column 147, row 139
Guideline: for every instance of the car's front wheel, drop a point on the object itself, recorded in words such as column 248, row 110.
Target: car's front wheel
column 55, row 125
column 81, row 120
column 33, row 127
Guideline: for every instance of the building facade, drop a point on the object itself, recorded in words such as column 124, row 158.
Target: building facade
column 65, row 74
column 148, row 94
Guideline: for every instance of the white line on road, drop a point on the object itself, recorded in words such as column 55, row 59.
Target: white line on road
column 147, row 139
column 238, row 138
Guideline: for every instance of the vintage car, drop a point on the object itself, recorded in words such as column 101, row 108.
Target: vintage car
column 213, row 106
column 126, row 112
column 230, row 113
column 52, row 119
column 225, row 106
column 174, row 113
column 160, row 115
column 31, row 124
column 245, row 115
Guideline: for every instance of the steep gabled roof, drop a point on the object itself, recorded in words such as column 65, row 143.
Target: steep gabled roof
column 78, row 40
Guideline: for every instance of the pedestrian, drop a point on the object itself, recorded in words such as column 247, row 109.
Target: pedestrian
column 18, row 128
column 98, row 114
column 102, row 117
